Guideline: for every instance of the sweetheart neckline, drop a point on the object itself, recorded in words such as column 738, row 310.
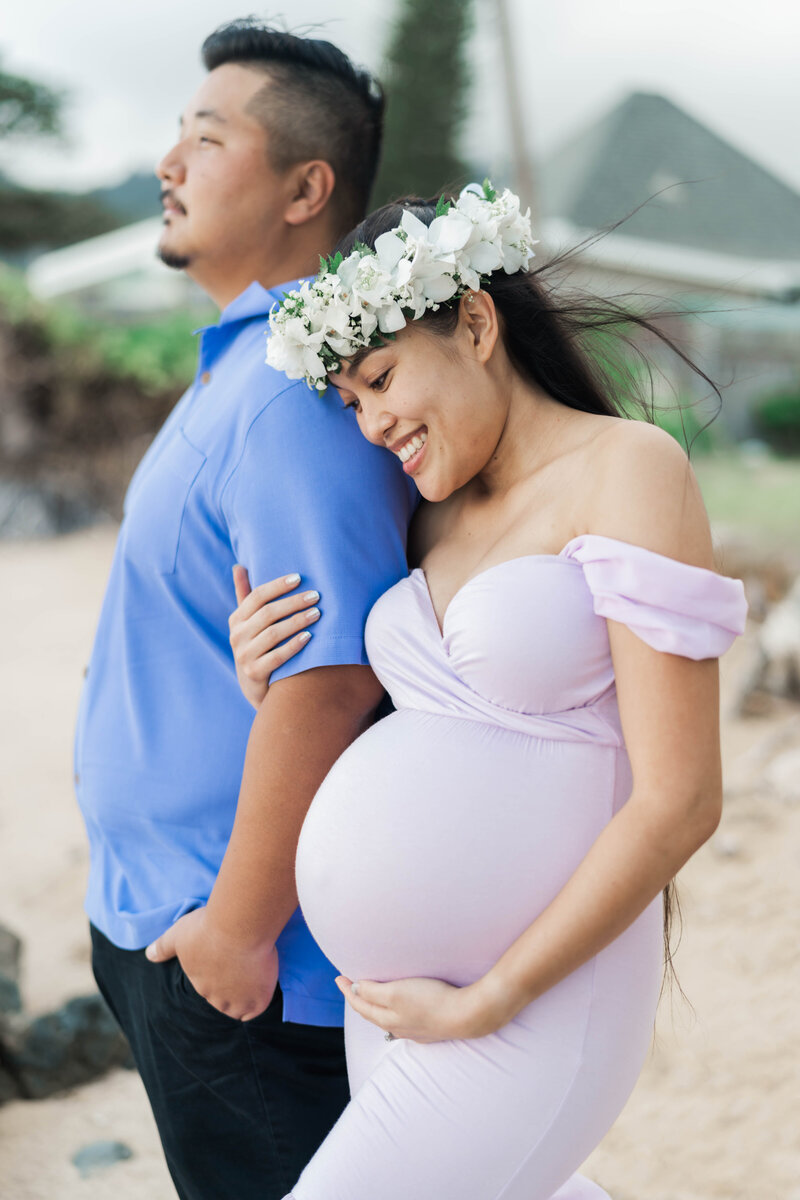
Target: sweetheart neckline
column 560, row 557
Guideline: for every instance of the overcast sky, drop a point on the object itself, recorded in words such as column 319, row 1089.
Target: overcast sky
column 130, row 68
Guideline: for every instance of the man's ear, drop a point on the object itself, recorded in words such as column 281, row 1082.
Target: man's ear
column 478, row 315
column 311, row 186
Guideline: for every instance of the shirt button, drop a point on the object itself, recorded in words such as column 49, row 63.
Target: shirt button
column 77, row 779
column 205, row 377
column 85, row 672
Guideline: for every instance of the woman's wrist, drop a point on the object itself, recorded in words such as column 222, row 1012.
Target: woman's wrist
column 490, row 1003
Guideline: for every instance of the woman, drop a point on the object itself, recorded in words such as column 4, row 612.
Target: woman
column 485, row 866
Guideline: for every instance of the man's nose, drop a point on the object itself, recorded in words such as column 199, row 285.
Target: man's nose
column 171, row 169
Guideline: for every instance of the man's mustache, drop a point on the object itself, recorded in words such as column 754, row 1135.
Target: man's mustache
column 169, row 195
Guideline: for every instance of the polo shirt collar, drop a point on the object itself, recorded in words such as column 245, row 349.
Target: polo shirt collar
column 255, row 301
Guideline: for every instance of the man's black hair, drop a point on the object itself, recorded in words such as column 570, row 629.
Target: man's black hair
column 315, row 104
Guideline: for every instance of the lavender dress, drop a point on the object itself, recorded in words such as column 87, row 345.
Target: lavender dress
column 442, row 832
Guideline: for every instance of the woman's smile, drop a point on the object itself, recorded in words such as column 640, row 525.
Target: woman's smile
column 409, row 449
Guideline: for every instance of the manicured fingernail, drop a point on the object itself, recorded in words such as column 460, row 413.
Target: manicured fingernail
column 312, row 614
column 309, row 596
column 292, row 580
column 150, row 952
column 354, row 988
column 305, row 636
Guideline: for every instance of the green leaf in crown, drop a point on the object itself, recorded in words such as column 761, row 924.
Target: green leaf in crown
column 329, row 266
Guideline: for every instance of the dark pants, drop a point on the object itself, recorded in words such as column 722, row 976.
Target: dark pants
column 240, row 1106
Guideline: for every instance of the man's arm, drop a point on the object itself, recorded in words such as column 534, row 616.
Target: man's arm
column 305, row 722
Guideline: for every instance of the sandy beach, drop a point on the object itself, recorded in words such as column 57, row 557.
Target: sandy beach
column 716, row 1114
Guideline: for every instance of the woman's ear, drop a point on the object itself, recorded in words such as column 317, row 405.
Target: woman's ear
column 311, row 189
column 478, row 315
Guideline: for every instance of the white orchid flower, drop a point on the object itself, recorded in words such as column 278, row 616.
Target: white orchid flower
column 413, row 268
column 389, row 249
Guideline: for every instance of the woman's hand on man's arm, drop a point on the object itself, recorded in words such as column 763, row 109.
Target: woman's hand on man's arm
column 267, row 629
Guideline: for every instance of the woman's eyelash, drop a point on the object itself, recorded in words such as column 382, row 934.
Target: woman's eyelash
column 375, row 385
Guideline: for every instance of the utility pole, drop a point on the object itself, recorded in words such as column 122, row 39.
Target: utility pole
column 522, row 164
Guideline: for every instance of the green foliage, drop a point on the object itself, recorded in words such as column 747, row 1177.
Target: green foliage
column 158, row 355
column 155, row 355
column 427, row 78
column 777, row 419
column 15, row 299
column 625, row 371
column 760, row 495
column 687, row 426
column 31, row 219
column 329, row 266
column 28, row 108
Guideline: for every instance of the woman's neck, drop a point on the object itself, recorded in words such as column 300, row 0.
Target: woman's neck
column 530, row 439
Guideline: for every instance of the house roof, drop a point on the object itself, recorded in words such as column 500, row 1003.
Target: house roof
column 712, row 196
column 97, row 260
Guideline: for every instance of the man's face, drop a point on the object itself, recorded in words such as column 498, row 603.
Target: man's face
column 222, row 201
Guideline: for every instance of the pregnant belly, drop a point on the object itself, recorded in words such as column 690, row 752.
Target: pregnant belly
column 435, row 841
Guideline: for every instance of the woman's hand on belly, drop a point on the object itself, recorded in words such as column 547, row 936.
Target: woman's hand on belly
column 422, row 1010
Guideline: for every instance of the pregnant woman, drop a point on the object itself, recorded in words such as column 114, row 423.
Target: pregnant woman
column 485, row 866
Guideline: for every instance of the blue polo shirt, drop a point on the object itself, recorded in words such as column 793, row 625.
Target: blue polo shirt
column 250, row 467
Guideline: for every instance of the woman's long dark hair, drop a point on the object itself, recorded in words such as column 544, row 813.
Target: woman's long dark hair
column 574, row 347
column 580, row 349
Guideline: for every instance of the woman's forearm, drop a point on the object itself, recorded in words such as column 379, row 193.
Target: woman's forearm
column 634, row 858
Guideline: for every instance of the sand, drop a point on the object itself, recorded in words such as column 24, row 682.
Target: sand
column 716, row 1113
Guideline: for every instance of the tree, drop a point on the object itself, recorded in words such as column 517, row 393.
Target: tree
column 28, row 108
column 33, row 220
column 426, row 78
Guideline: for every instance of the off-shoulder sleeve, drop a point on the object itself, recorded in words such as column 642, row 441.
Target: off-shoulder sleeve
column 672, row 606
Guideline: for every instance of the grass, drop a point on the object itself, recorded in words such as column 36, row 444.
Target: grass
column 756, row 494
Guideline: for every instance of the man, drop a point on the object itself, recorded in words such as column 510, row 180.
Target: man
column 193, row 816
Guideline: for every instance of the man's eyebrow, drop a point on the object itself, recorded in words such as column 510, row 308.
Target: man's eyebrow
column 209, row 113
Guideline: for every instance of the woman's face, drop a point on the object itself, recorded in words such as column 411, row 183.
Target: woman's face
column 431, row 399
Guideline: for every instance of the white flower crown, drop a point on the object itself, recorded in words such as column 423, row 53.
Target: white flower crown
column 362, row 300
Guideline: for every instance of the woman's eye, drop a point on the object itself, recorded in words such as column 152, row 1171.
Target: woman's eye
column 378, row 383
column 352, row 404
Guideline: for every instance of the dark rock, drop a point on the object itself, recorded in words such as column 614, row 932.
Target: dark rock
column 9, row 1088
column 10, row 954
column 99, row 1155
column 72, row 1045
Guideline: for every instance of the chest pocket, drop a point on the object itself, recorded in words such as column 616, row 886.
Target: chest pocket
column 156, row 506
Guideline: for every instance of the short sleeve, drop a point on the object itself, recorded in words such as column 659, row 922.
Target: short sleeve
column 673, row 606
column 310, row 494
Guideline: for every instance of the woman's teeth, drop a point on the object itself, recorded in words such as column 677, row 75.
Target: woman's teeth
column 412, row 446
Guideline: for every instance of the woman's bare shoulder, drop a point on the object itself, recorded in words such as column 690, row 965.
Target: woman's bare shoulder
column 641, row 489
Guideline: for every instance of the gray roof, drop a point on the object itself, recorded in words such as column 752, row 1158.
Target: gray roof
column 724, row 202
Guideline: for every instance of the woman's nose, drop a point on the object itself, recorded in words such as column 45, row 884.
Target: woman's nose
column 377, row 425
